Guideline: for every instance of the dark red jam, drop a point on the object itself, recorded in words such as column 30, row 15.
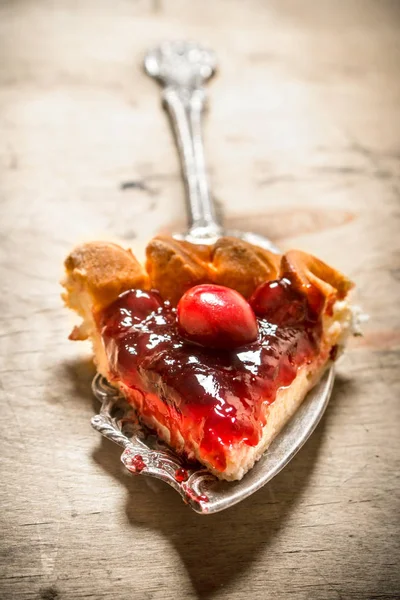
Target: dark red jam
column 212, row 397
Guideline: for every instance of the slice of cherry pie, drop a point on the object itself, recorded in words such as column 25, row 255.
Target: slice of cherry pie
column 215, row 346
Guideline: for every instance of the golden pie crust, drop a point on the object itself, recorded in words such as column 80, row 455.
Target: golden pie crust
column 105, row 270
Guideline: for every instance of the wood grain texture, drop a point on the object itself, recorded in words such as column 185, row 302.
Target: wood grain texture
column 303, row 144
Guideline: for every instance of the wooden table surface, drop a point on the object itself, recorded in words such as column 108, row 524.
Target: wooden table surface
column 302, row 139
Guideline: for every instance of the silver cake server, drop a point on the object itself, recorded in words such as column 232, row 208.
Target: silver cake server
column 182, row 68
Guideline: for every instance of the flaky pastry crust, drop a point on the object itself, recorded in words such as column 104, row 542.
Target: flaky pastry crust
column 105, row 270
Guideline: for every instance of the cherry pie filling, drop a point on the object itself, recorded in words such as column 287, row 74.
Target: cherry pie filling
column 211, row 392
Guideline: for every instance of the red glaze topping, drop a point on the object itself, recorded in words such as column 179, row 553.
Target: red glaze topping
column 211, row 396
column 216, row 317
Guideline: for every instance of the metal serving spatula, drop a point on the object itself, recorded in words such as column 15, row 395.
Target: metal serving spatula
column 182, row 68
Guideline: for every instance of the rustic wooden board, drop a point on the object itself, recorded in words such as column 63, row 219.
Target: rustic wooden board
column 303, row 145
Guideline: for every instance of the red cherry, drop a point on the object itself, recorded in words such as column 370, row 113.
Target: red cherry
column 129, row 308
column 217, row 317
column 278, row 302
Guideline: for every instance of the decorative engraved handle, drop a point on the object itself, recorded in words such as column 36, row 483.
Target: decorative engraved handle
column 118, row 422
column 182, row 68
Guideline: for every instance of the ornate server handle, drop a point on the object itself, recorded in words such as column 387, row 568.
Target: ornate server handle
column 183, row 68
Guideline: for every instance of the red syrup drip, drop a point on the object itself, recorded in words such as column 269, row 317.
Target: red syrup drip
column 211, row 396
column 181, row 475
column 136, row 463
column 193, row 496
